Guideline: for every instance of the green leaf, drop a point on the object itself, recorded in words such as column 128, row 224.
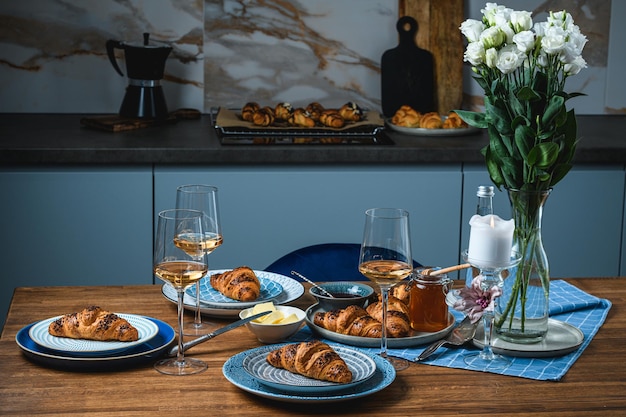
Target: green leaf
column 472, row 118
column 528, row 94
column 556, row 105
column 524, row 140
column 543, row 155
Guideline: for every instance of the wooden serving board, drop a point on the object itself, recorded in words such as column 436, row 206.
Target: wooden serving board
column 117, row 123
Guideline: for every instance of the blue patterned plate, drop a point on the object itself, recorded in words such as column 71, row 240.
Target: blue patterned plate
column 270, row 289
column 146, row 328
column 360, row 364
column 233, row 370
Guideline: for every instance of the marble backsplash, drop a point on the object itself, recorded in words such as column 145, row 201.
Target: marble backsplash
column 227, row 52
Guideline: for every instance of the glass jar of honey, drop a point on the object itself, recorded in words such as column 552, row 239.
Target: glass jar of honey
column 428, row 311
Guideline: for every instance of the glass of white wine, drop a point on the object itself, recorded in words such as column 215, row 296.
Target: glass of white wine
column 386, row 259
column 180, row 268
column 202, row 198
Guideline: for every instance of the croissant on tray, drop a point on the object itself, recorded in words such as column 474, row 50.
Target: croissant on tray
column 398, row 323
column 431, row 120
column 352, row 320
column 406, row 116
column 301, row 117
column 94, row 323
column 312, row 359
column 248, row 110
column 454, row 121
column 351, row 112
column 332, row 118
column 401, row 292
column 239, row 284
column 263, row 116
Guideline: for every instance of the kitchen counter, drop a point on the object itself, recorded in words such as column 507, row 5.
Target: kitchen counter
column 60, row 139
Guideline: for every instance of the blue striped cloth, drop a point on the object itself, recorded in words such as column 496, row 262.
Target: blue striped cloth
column 567, row 304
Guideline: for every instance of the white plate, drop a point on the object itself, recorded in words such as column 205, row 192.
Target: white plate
column 270, row 289
column 416, row 339
column 561, row 339
column 146, row 328
column 420, row 131
column 292, row 290
column 235, row 374
column 361, row 365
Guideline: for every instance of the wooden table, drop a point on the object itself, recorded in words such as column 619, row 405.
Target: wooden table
column 595, row 385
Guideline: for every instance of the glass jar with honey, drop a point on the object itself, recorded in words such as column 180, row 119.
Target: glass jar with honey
column 428, row 311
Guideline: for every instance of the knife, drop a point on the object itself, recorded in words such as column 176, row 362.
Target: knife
column 174, row 351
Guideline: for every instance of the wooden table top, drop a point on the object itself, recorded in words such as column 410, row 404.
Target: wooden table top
column 593, row 386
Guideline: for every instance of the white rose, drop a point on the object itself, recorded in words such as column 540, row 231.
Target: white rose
column 576, row 40
column 542, row 60
column 554, row 40
column 490, row 11
column 540, row 29
column 491, row 57
column 492, row 37
column 525, row 41
column 502, row 16
column 521, row 21
column 509, row 59
column 474, row 54
column 508, row 32
column 472, row 29
column 560, row 19
column 575, row 66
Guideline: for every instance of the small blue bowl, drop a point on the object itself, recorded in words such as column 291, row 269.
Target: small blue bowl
column 345, row 293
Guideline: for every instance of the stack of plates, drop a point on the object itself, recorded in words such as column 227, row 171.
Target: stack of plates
column 36, row 343
column 274, row 287
column 250, row 371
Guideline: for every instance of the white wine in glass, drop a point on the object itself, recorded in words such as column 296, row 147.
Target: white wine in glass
column 181, row 270
column 202, row 198
column 386, row 259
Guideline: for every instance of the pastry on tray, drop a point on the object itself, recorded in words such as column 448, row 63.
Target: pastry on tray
column 94, row 323
column 240, row 284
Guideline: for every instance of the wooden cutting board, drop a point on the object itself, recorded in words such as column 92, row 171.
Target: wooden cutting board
column 117, row 123
column 407, row 76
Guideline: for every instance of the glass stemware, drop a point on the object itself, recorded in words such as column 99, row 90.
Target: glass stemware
column 487, row 359
column 181, row 266
column 386, row 259
column 202, row 198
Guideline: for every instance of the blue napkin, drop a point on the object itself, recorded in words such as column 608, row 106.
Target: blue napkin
column 567, row 304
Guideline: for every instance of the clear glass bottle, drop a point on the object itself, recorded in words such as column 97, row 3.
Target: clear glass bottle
column 484, row 207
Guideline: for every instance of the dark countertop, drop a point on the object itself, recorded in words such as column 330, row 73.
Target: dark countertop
column 60, row 139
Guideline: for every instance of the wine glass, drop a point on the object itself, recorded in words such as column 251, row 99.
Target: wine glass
column 180, row 266
column 487, row 359
column 386, row 259
column 202, row 198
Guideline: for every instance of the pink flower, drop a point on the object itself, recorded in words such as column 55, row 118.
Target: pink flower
column 474, row 301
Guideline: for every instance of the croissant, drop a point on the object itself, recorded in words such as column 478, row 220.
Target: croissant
column 283, row 111
column 248, row 110
column 301, row 117
column 263, row 116
column 315, row 110
column 239, row 284
column 398, row 323
column 454, row 121
column 312, row 359
column 332, row 118
column 94, row 323
column 352, row 320
column 401, row 292
column 407, row 117
column 431, row 120
column 351, row 112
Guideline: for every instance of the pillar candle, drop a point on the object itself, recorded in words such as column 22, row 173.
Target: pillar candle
column 491, row 240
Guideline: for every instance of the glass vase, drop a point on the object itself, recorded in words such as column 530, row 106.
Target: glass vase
column 522, row 310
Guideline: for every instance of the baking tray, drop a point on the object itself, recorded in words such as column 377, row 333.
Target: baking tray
column 231, row 130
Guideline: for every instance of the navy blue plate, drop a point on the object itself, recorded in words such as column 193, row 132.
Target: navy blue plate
column 144, row 353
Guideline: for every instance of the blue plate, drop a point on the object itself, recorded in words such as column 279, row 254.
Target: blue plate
column 137, row 355
column 234, row 372
column 270, row 289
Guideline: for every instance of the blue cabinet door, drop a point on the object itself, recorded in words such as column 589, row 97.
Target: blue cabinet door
column 73, row 226
column 267, row 212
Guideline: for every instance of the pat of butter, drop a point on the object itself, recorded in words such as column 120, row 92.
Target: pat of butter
column 275, row 317
column 292, row 318
column 262, row 307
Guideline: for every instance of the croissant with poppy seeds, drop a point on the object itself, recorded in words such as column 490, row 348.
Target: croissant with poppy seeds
column 314, row 359
column 352, row 320
column 94, row 323
column 239, row 284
